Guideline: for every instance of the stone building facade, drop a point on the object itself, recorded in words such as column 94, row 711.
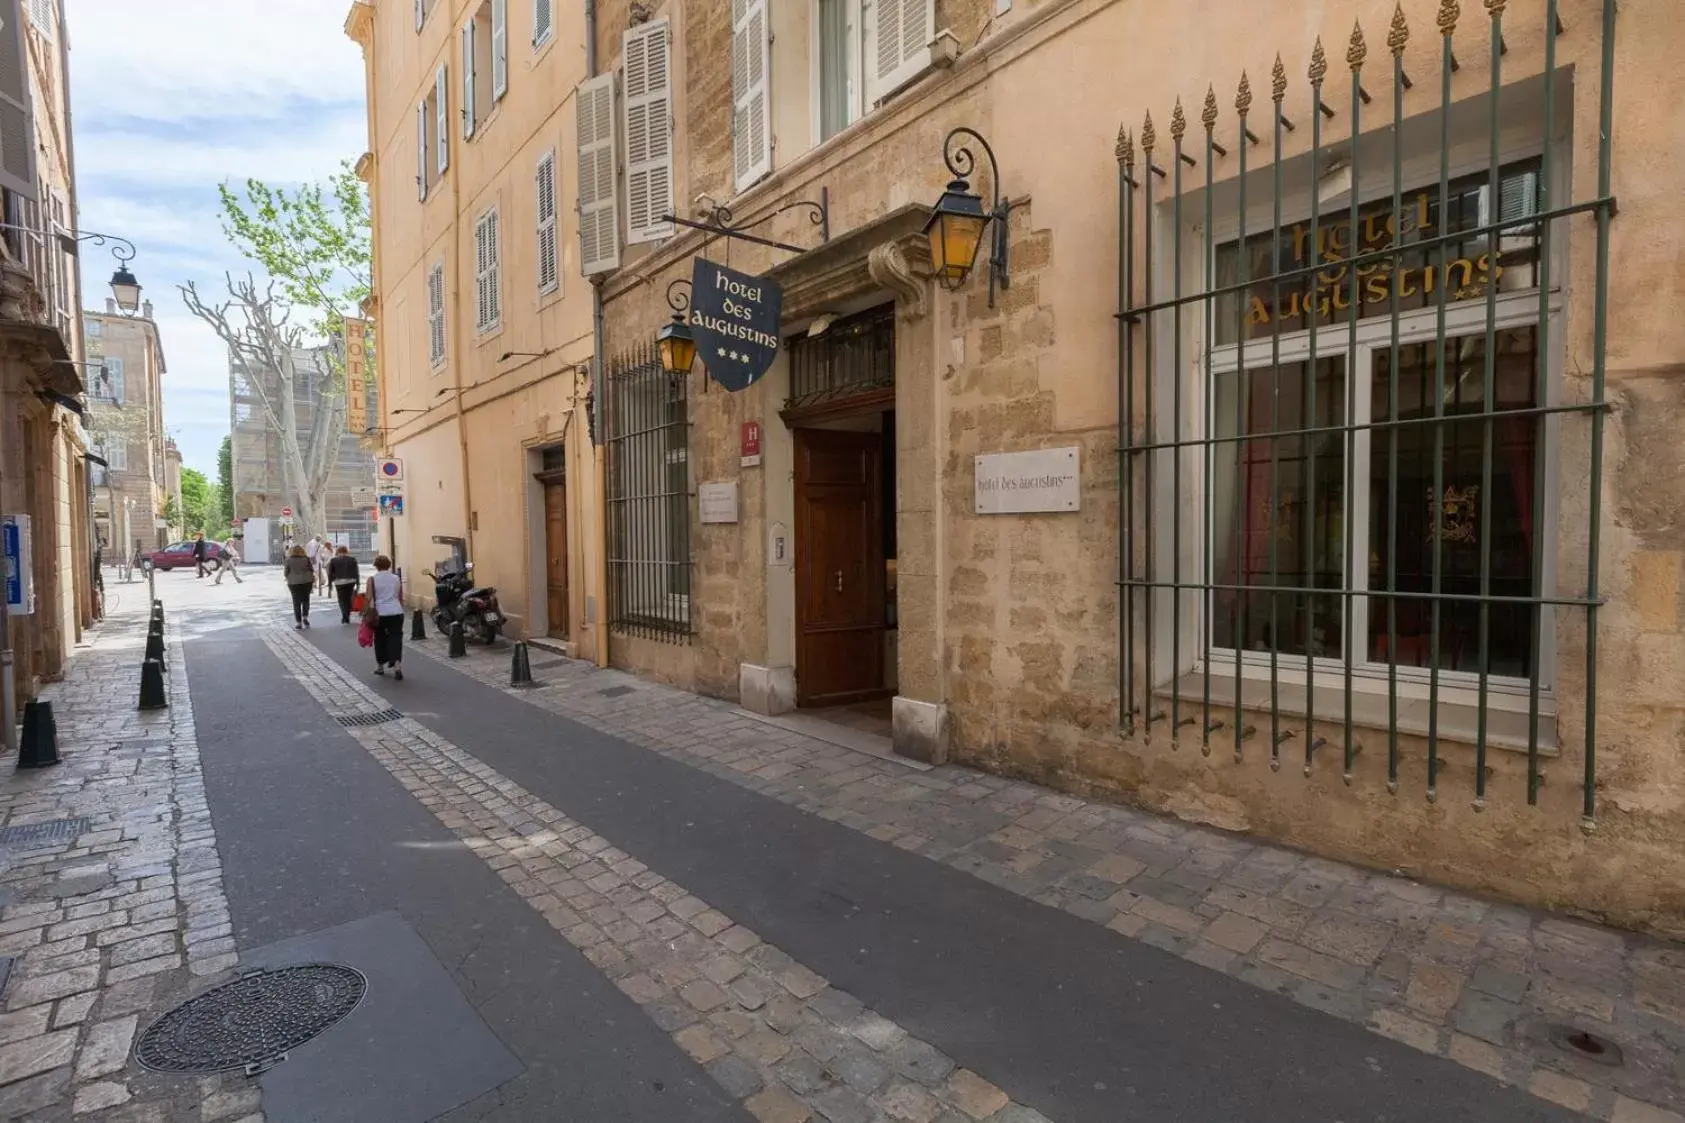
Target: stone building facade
column 125, row 422
column 1172, row 610
column 43, row 473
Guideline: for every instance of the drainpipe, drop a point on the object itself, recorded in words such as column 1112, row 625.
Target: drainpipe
column 599, row 402
column 456, row 346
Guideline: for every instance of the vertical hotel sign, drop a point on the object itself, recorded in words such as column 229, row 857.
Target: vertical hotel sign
column 359, row 363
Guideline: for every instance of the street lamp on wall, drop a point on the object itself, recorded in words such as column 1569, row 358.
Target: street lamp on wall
column 674, row 342
column 958, row 221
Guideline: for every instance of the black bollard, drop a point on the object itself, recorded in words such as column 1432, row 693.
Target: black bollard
column 40, row 746
column 459, row 642
column 418, row 626
column 520, row 667
column 152, row 696
column 155, row 649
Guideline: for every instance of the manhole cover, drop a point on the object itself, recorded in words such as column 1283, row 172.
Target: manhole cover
column 43, row 834
column 379, row 717
column 614, row 691
column 251, row 1022
column 1587, row 1045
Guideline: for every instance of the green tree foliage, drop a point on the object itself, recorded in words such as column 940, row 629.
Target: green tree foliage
column 313, row 241
column 196, row 500
column 225, row 480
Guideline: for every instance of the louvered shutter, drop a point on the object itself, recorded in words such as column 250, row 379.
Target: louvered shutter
column 468, row 79
column 599, row 220
column 545, row 191
column 751, row 128
column 542, row 17
column 441, row 99
column 898, row 35
column 648, row 94
column 436, row 314
column 17, row 126
column 420, row 13
column 485, row 272
column 499, row 49
column 41, row 15
column 421, row 150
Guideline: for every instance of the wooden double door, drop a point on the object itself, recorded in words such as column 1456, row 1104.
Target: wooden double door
column 839, row 563
column 556, row 555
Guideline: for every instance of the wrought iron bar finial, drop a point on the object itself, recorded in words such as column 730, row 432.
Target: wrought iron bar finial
column 1399, row 34
column 678, row 297
column 1357, row 50
column 1178, row 122
column 1149, row 136
column 1124, row 156
column 1208, row 115
column 1447, row 17
column 1278, row 80
column 1243, row 95
column 1319, row 64
column 1495, row 8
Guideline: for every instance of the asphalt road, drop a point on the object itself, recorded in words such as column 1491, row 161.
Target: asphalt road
column 1077, row 1021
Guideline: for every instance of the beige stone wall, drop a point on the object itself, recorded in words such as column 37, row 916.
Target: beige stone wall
column 1013, row 622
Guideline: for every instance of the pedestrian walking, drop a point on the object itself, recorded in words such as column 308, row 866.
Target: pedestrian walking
column 324, row 559
column 313, row 550
column 230, row 563
column 385, row 610
column 200, row 549
column 342, row 574
column 301, row 579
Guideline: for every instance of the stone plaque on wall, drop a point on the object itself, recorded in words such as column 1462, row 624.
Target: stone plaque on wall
column 718, row 502
column 1015, row 483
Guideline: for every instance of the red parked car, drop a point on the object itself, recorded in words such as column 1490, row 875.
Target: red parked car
column 180, row 556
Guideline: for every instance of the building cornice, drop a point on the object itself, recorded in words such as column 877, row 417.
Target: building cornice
column 359, row 23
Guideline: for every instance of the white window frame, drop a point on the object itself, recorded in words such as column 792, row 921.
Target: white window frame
column 499, row 50
column 421, row 114
column 488, row 303
column 855, row 76
column 547, row 228
column 436, row 320
column 646, row 106
column 117, row 456
column 887, row 73
column 92, row 328
column 468, row 107
column 543, row 30
column 111, row 366
column 1374, row 334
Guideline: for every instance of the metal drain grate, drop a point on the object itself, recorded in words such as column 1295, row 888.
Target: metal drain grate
column 43, row 834
column 1586, row 1045
column 379, row 717
column 614, row 691
column 252, row 1022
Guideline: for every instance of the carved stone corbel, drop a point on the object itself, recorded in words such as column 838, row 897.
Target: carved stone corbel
column 889, row 266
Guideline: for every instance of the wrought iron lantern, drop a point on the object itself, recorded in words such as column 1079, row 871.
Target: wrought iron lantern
column 674, row 342
column 125, row 289
column 958, row 221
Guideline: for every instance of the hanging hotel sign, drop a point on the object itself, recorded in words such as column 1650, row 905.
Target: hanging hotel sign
column 735, row 319
column 359, row 359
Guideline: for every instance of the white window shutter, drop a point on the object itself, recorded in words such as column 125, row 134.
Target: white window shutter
column 421, row 151
column 751, row 110
column 599, row 218
column 543, row 21
column 486, row 272
column 499, row 49
column 549, row 276
column 441, row 98
column 898, row 35
column 648, row 98
column 436, row 314
column 17, row 123
column 468, row 79
column 420, row 13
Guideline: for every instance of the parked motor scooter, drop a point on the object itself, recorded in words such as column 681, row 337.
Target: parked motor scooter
column 457, row 600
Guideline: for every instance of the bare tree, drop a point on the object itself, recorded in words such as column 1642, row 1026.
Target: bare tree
column 254, row 323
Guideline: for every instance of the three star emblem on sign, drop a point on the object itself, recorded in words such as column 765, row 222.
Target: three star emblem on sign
column 734, row 356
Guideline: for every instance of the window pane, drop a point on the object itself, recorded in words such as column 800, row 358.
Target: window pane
column 1505, row 514
column 1303, row 543
column 833, row 67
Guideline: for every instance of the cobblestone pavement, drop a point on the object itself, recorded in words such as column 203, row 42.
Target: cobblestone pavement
column 123, row 919
column 771, row 1032
column 1491, row 986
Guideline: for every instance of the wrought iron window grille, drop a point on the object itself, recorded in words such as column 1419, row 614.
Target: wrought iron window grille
column 1432, row 425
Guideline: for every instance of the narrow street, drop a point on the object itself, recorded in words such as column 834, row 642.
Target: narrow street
column 601, row 899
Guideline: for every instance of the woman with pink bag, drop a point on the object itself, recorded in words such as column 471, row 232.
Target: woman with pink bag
column 385, row 617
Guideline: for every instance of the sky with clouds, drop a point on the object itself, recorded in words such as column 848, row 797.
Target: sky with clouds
column 171, row 98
